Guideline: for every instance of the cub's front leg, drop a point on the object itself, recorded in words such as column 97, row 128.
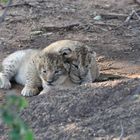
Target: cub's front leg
column 46, row 88
column 32, row 84
column 9, row 69
column 29, row 91
column 4, row 81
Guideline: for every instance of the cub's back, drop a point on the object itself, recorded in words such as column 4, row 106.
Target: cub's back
column 58, row 45
column 18, row 56
column 25, row 57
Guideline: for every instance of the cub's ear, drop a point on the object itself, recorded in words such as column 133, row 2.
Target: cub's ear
column 66, row 52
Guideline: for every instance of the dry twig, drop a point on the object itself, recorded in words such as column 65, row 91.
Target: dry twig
column 122, row 132
column 133, row 12
column 131, row 15
column 113, row 16
column 18, row 4
column 56, row 28
column 120, row 16
column 104, row 24
column 5, row 11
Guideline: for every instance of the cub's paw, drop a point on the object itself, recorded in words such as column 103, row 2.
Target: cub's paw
column 4, row 82
column 27, row 91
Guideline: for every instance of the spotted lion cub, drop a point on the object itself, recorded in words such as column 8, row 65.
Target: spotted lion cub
column 34, row 69
column 19, row 66
column 81, row 60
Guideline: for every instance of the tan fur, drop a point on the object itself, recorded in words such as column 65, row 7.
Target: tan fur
column 52, row 72
column 79, row 55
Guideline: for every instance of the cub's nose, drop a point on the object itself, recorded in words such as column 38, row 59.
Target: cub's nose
column 49, row 82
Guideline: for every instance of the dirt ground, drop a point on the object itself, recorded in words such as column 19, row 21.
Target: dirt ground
column 108, row 109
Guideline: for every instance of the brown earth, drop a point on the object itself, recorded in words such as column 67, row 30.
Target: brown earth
column 104, row 110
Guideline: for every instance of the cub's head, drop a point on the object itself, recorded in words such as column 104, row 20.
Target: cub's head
column 51, row 69
column 78, row 62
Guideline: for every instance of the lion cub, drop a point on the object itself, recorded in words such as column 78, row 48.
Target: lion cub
column 34, row 69
column 81, row 60
column 19, row 66
column 52, row 71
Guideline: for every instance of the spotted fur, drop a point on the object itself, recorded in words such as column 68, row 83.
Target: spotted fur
column 33, row 69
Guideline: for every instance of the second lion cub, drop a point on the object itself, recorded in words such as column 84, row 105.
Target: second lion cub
column 80, row 59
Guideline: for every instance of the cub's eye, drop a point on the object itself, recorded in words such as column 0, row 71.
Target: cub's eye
column 76, row 66
column 57, row 71
column 44, row 71
column 86, row 66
